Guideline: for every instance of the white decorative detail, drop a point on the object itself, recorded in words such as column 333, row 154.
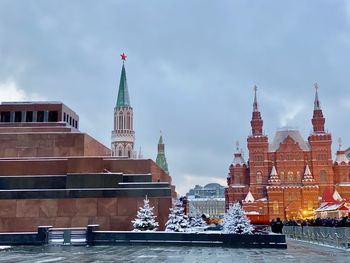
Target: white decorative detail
column 341, row 157
column 237, row 186
column 308, row 178
column 273, row 171
column 249, row 198
column 252, row 213
column 307, row 170
column 123, row 135
column 336, row 196
column 274, row 179
column 122, row 138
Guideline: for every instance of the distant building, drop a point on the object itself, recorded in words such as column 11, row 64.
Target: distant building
column 211, row 207
column 287, row 177
column 208, row 200
column 213, row 190
column 16, row 113
column 161, row 159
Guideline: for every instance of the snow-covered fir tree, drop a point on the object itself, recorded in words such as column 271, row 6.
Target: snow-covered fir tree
column 145, row 220
column 177, row 221
column 196, row 217
column 236, row 222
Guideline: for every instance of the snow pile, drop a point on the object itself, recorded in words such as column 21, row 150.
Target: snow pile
column 236, row 222
column 145, row 220
column 178, row 221
column 4, row 247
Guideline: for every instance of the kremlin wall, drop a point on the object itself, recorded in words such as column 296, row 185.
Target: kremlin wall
column 53, row 174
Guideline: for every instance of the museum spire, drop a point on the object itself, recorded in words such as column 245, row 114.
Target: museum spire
column 256, row 122
column 318, row 120
column 255, row 103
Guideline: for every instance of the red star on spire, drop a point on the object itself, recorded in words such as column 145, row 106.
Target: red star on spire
column 123, row 56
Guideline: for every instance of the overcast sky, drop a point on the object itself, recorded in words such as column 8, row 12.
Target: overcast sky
column 191, row 69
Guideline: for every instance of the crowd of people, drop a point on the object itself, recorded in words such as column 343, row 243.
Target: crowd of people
column 328, row 222
column 277, row 225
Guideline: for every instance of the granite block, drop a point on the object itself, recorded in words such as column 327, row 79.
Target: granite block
column 86, row 206
column 106, row 206
column 27, row 208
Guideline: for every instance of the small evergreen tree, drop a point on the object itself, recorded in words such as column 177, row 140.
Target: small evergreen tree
column 177, row 221
column 145, row 220
column 236, row 222
column 196, row 217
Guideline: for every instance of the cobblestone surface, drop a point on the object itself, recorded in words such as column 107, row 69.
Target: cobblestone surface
column 296, row 252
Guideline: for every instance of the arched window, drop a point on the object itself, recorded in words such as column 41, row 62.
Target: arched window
column 237, row 179
column 323, row 176
column 275, row 207
column 290, row 176
column 292, row 196
column 310, row 205
column 128, row 121
column 120, row 150
column 344, row 177
column 258, row 178
column 282, row 177
column 298, row 177
column 120, row 120
column 131, row 124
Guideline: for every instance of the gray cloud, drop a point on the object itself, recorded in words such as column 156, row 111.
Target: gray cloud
column 191, row 68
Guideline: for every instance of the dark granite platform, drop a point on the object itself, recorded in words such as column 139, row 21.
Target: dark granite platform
column 83, row 185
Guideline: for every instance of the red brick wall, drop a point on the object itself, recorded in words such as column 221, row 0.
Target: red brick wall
column 50, row 145
column 109, row 213
column 94, row 148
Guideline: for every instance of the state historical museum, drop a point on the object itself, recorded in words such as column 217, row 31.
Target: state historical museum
column 288, row 177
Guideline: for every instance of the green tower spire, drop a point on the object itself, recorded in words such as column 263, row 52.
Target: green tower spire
column 123, row 93
column 161, row 159
column 160, row 140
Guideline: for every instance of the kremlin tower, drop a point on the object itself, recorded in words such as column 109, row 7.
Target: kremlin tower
column 123, row 134
column 161, row 159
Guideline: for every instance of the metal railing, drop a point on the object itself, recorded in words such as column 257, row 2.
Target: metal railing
column 333, row 236
column 67, row 236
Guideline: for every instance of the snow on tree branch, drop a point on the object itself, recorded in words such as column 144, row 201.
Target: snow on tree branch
column 145, row 220
column 177, row 221
column 236, row 222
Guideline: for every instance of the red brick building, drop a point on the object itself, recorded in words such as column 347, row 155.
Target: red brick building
column 287, row 177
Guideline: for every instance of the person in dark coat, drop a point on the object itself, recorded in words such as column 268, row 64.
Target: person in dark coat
column 273, row 224
column 278, row 226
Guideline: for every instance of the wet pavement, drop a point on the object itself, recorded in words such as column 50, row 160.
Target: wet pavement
column 296, row 252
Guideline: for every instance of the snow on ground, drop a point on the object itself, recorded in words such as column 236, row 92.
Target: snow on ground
column 296, row 252
column 4, row 247
column 319, row 244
